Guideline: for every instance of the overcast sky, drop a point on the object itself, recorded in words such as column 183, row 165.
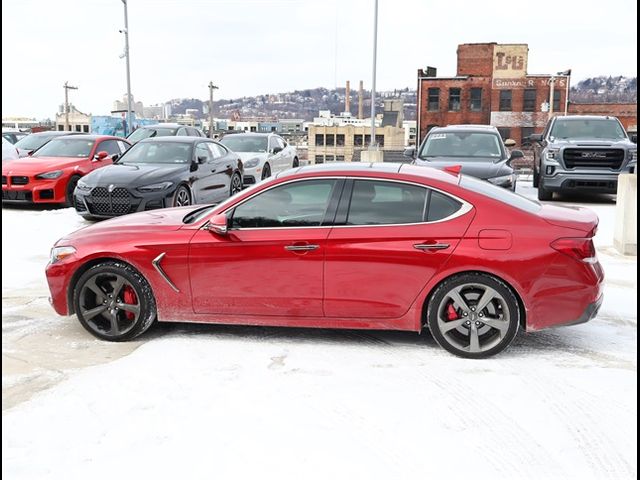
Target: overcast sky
column 250, row 47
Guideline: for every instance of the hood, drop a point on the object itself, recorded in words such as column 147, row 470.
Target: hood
column 36, row 165
column 478, row 167
column 133, row 175
column 585, row 142
column 246, row 156
column 166, row 219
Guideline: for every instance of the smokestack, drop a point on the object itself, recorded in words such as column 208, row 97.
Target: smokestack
column 360, row 101
column 347, row 98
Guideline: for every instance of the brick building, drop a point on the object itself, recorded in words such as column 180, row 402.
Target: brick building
column 492, row 87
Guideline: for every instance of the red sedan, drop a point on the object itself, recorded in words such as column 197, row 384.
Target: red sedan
column 381, row 246
column 51, row 173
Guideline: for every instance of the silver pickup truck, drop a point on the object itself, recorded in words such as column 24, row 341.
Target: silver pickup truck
column 581, row 153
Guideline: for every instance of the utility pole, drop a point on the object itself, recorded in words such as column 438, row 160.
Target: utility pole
column 552, row 83
column 372, row 143
column 67, row 87
column 126, row 55
column 212, row 87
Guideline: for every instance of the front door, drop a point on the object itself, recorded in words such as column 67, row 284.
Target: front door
column 272, row 258
column 394, row 237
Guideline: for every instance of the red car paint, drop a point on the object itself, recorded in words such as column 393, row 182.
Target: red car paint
column 29, row 167
column 361, row 277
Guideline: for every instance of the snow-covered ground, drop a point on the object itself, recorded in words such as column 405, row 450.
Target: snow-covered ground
column 203, row 401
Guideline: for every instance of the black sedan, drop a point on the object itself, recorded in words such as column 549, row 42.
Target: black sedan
column 158, row 173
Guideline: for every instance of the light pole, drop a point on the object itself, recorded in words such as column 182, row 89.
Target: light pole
column 567, row 75
column 372, row 143
column 552, row 83
column 126, row 55
column 212, row 87
column 67, row 87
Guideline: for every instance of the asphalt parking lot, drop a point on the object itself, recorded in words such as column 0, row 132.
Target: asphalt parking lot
column 378, row 404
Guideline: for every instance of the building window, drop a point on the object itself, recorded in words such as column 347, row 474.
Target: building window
column 230, row 127
column 253, row 129
column 273, row 129
column 357, row 141
column 330, row 140
column 319, row 158
column 60, row 128
column 339, row 158
column 319, row 140
column 367, row 139
column 504, row 133
column 85, row 128
column 340, row 139
column 524, row 135
column 329, row 158
column 78, row 128
column 454, row 99
column 430, row 127
column 505, row 100
column 380, row 140
column 433, row 103
column 475, row 100
column 556, row 100
column 529, row 103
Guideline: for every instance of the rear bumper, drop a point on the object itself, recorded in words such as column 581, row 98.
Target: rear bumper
column 589, row 313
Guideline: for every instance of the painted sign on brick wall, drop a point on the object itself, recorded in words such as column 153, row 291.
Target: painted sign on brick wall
column 510, row 61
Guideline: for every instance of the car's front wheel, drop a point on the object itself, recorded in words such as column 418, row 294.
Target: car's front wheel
column 473, row 315
column 266, row 171
column 543, row 193
column 114, row 302
column 71, row 187
column 182, row 197
column 236, row 184
column 296, row 162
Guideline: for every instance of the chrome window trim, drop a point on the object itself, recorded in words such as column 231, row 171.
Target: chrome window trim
column 464, row 209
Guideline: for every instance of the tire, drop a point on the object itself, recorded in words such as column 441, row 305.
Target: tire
column 296, row 163
column 235, row 184
column 266, row 171
column 543, row 193
column 501, row 309
column 536, row 177
column 182, row 197
column 71, row 187
column 114, row 302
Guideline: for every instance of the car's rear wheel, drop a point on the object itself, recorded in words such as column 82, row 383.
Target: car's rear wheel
column 71, row 187
column 543, row 193
column 114, row 302
column 236, row 184
column 266, row 171
column 182, row 197
column 473, row 315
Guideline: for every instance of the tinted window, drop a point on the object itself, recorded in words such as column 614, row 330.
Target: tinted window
column 461, row 144
column 157, row 152
column 66, row 147
column 441, row 206
column 384, row 203
column 109, row 146
column 498, row 193
column 203, row 151
column 300, row 204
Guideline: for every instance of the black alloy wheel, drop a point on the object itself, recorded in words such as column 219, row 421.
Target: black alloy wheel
column 266, row 171
column 182, row 197
column 236, row 184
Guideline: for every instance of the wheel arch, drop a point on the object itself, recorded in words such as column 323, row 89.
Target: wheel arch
column 521, row 306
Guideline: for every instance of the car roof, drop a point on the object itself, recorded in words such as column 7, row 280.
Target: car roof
column 58, row 133
column 586, row 117
column 355, row 169
column 254, row 134
column 93, row 137
column 466, row 128
column 175, row 139
column 166, row 125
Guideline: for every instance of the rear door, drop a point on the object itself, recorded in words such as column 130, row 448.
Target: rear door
column 390, row 238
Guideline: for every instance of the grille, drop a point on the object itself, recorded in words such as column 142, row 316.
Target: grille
column 79, row 204
column 593, row 158
column 17, row 196
column 118, row 202
column 19, row 180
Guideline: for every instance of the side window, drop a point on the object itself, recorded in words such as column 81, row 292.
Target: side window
column 385, row 203
column 441, row 206
column 216, row 150
column 182, row 132
column 123, row 146
column 203, row 151
column 280, row 142
column 299, row 204
column 109, row 146
column 273, row 143
column 192, row 132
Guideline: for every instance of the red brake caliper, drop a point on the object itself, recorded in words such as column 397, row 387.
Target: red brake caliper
column 129, row 297
column 452, row 314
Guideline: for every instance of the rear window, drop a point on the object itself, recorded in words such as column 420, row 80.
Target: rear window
column 499, row 193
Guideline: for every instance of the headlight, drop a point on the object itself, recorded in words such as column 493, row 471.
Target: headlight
column 633, row 154
column 552, row 154
column 49, row 175
column 82, row 186
column 156, row 187
column 251, row 163
column 503, row 179
column 58, row 253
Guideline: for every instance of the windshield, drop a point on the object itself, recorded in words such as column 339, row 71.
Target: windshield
column 240, row 143
column 141, row 133
column 157, row 152
column 66, row 147
column 462, row 144
column 32, row 142
column 588, row 128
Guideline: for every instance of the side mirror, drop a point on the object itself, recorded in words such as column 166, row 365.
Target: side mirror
column 30, row 152
column 115, row 157
column 410, row 152
column 516, row 154
column 101, row 155
column 276, row 150
column 509, row 142
column 202, row 159
column 535, row 137
column 634, row 138
column 218, row 224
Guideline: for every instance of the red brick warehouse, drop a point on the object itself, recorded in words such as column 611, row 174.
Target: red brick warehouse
column 492, row 87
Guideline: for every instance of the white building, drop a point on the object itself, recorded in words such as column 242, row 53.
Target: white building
column 78, row 121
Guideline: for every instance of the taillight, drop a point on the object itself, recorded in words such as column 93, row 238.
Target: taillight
column 579, row 248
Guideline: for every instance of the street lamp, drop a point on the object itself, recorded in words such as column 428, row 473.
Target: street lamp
column 125, row 30
column 372, row 143
column 567, row 75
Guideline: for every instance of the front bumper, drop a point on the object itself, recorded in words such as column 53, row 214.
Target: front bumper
column 32, row 190
column 100, row 203
column 575, row 181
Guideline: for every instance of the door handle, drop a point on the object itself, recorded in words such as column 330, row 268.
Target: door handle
column 431, row 246
column 301, row 248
